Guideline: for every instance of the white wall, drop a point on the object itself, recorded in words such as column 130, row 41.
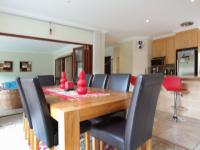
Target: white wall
column 30, row 27
column 42, row 64
column 131, row 59
column 98, row 52
column 141, row 58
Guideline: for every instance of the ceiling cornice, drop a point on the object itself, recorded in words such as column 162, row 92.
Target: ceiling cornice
column 47, row 19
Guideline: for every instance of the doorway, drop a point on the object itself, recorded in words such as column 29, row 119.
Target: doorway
column 108, row 64
column 68, row 67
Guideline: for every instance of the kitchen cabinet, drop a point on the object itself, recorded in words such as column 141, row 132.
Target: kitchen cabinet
column 159, row 48
column 187, row 39
column 170, row 50
column 165, row 48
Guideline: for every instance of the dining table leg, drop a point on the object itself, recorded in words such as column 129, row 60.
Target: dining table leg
column 69, row 130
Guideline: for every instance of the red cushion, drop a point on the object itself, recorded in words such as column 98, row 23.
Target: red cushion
column 173, row 83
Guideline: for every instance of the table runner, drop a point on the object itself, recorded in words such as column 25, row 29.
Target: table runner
column 71, row 95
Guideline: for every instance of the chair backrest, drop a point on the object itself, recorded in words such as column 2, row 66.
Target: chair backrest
column 99, row 81
column 88, row 78
column 119, row 82
column 39, row 111
column 172, row 83
column 46, row 80
column 24, row 102
column 142, row 109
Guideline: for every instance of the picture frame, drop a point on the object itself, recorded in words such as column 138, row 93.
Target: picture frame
column 6, row 66
column 25, row 66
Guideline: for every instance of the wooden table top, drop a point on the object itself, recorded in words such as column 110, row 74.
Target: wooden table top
column 86, row 103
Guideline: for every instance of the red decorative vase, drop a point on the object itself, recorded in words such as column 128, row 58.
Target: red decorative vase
column 63, row 80
column 82, row 89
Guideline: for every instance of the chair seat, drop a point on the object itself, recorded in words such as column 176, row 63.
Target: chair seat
column 111, row 131
column 121, row 114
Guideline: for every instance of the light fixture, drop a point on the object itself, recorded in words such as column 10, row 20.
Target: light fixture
column 68, row 1
column 192, row 1
column 50, row 29
column 147, row 21
column 187, row 24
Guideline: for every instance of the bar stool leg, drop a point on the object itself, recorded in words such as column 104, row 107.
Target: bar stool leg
column 175, row 115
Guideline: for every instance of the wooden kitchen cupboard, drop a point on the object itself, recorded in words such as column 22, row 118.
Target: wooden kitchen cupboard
column 187, row 39
column 159, row 48
column 170, row 50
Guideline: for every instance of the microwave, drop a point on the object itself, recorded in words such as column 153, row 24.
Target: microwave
column 158, row 61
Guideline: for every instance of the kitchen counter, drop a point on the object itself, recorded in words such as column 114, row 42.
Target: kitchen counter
column 190, row 78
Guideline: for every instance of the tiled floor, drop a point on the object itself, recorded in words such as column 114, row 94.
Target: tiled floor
column 183, row 134
column 168, row 135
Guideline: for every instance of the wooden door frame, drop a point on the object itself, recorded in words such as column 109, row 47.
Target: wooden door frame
column 46, row 39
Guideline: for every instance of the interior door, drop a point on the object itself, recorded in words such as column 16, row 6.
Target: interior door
column 82, row 60
column 68, row 67
column 108, row 65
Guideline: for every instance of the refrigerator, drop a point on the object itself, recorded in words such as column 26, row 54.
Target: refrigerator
column 187, row 62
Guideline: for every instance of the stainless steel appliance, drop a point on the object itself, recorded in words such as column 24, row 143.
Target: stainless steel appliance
column 187, row 62
column 157, row 64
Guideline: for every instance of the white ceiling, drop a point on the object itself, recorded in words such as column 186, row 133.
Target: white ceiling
column 14, row 44
column 121, row 18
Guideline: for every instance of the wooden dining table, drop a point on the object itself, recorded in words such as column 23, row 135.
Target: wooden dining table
column 69, row 113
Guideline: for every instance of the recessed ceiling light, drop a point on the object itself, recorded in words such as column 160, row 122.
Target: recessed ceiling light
column 192, row 1
column 68, row 1
column 147, row 21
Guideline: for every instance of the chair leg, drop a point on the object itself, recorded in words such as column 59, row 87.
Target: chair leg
column 36, row 143
column 149, row 144
column 26, row 129
column 101, row 145
column 31, row 139
column 29, row 135
column 87, row 140
column 143, row 147
column 23, row 122
column 94, row 143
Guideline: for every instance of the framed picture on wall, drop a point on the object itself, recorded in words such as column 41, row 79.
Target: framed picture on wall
column 6, row 66
column 25, row 66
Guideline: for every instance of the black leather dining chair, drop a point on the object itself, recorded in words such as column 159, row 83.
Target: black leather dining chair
column 99, row 81
column 119, row 82
column 88, row 78
column 28, row 127
column 116, row 82
column 46, row 80
column 45, row 127
column 137, row 129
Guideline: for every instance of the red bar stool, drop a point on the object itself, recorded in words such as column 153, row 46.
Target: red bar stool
column 173, row 84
